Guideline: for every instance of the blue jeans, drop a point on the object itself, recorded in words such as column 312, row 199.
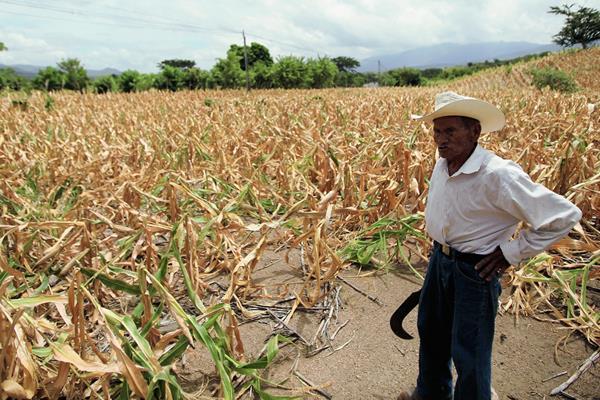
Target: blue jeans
column 457, row 311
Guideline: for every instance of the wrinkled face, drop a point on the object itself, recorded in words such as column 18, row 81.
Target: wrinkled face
column 454, row 138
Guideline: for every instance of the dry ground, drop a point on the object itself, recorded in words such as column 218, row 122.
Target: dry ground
column 375, row 364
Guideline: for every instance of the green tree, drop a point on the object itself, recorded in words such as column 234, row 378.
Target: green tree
column 401, row 77
column 195, row 78
column 555, row 79
column 177, row 63
column 262, row 76
column 581, row 26
column 346, row 64
column 3, row 47
column 49, row 79
column 456, row 72
column 409, row 76
column 105, row 84
column 170, row 78
column 76, row 77
column 259, row 53
column 387, row 79
column 353, row 79
column 147, row 82
column 321, row 73
column 431, row 73
column 10, row 80
column 227, row 72
column 289, row 72
column 256, row 53
column 128, row 81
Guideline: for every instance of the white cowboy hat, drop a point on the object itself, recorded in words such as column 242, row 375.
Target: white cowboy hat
column 449, row 104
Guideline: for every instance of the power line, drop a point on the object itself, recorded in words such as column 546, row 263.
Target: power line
column 69, row 20
column 133, row 22
column 283, row 43
column 171, row 20
column 137, row 22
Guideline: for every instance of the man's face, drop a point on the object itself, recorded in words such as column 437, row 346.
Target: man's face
column 454, row 139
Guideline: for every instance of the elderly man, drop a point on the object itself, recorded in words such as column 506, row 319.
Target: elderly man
column 476, row 201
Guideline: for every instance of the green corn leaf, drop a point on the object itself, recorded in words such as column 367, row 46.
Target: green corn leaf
column 118, row 270
column 34, row 301
column 115, row 284
column 43, row 285
column 3, row 276
column 584, row 281
column 174, row 352
column 263, row 362
column 168, row 380
column 155, row 315
column 42, row 352
column 256, row 386
column 200, row 333
column 187, row 280
column 125, row 392
column 145, row 350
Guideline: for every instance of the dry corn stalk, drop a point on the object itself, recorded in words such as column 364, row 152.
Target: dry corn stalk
column 113, row 204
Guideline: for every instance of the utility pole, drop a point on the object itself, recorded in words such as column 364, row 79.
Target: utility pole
column 246, row 63
column 378, row 68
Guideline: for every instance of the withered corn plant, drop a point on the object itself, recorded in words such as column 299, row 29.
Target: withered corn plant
column 132, row 225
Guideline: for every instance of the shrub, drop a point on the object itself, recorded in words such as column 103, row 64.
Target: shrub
column 48, row 102
column 195, row 78
column 105, row 84
column 170, row 78
column 401, row 77
column 49, row 79
column 457, row 72
column 553, row 78
column 11, row 81
column 128, row 81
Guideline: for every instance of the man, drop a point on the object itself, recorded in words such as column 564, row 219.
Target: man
column 476, row 201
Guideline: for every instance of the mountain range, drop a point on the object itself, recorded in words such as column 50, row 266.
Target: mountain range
column 436, row 56
column 451, row 54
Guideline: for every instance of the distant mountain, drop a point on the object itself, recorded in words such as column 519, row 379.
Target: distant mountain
column 29, row 71
column 450, row 54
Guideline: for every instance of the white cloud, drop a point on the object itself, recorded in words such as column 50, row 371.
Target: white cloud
column 110, row 33
column 24, row 49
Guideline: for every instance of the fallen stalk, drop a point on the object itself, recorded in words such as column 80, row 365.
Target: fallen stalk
column 289, row 328
column 367, row 295
column 584, row 367
column 313, row 386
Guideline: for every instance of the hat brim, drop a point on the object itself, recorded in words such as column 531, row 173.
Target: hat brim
column 490, row 117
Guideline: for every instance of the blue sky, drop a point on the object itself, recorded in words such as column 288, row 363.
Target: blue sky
column 138, row 34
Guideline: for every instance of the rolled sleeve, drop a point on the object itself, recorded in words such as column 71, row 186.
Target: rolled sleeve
column 548, row 215
column 511, row 252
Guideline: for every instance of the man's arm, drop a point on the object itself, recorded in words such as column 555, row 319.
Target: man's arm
column 548, row 215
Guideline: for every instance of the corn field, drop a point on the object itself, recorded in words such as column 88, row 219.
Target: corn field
column 120, row 211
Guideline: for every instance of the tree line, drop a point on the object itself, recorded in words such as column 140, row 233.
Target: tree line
column 178, row 74
column 230, row 73
column 256, row 67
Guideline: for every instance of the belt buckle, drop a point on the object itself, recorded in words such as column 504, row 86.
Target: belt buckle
column 446, row 249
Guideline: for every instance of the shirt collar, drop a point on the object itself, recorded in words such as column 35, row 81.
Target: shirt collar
column 473, row 163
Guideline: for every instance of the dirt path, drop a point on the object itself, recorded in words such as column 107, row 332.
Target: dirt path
column 375, row 364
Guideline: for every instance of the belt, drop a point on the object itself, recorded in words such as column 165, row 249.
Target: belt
column 454, row 254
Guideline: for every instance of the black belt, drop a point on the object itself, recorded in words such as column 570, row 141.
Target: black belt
column 454, row 254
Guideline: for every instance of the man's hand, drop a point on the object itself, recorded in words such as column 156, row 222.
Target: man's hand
column 493, row 264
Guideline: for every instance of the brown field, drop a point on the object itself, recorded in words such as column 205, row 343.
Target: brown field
column 136, row 226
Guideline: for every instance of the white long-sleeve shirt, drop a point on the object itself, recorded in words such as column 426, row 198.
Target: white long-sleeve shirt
column 479, row 207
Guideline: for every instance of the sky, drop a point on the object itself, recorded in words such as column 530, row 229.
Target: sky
column 138, row 34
